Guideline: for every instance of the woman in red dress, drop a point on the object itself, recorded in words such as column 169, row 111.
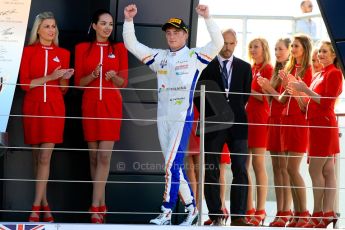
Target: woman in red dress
column 43, row 76
column 257, row 112
column 101, row 69
column 278, row 157
column 294, row 132
column 324, row 142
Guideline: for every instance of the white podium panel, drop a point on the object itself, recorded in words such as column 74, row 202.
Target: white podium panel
column 14, row 16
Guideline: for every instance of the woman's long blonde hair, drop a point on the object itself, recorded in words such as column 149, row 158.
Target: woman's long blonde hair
column 306, row 60
column 329, row 44
column 265, row 50
column 34, row 38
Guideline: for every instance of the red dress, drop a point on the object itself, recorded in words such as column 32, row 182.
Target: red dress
column 194, row 143
column 102, row 101
column 324, row 141
column 257, row 111
column 294, row 135
column 274, row 128
column 46, row 100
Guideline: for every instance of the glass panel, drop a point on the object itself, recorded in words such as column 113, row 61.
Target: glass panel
column 224, row 23
column 276, row 29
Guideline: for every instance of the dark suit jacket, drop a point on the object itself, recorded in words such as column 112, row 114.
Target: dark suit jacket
column 241, row 79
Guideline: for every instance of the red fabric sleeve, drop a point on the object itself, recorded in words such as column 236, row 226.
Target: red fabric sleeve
column 66, row 57
column 78, row 63
column 333, row 88
column 308, row 76
column 267, row 72
column 123, row 62
column 24, row 76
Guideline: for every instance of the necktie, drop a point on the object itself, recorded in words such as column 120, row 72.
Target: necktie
column 225, row 73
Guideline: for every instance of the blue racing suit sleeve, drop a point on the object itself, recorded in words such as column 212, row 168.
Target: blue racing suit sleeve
column 206, row 53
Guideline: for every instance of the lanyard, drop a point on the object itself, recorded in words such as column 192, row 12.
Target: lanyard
column 101, row 45
column 45, row 74
column 46, row 59
column 226, row 82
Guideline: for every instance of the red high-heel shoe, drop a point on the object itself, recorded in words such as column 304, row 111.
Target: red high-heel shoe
column 314, row 220
column 293, row 220
column 278, row 214
column 249, row 214
column 95, row 217
column 226, row 214
column 328, row 217
column 47, row 216
column 103, row 212
column 258, row 218
column 35, row 210
column 208, row 222
column 283, row 218
column 303, row 219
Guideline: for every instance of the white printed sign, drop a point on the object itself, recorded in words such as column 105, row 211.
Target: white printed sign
column 14, row 16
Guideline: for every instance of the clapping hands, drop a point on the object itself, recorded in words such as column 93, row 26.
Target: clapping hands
column 60, row 73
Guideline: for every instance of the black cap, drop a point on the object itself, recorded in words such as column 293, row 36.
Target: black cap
column 175, row 22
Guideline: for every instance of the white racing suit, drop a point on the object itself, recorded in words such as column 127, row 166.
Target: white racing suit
column 177, row 75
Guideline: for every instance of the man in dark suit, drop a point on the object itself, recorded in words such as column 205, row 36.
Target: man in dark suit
column 233, row 76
